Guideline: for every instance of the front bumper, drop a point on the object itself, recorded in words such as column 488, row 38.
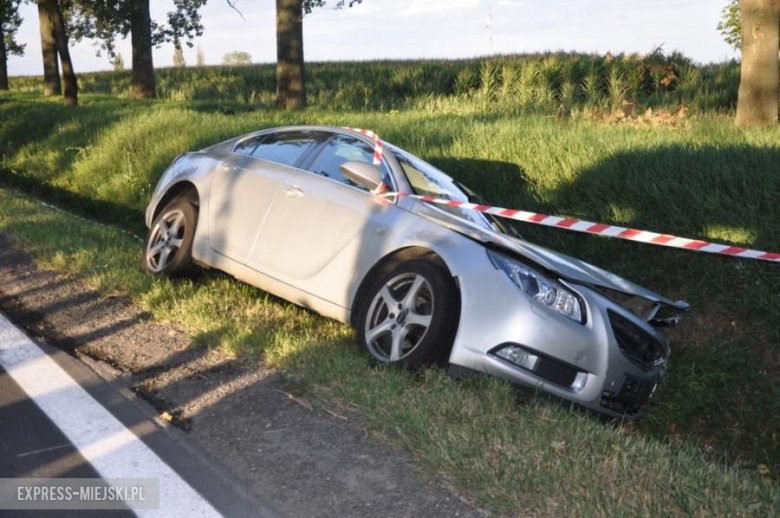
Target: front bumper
column 582, row 363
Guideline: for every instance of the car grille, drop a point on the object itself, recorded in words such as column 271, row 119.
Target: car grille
column 638, row 345
column 555, row 371
column 634, row 393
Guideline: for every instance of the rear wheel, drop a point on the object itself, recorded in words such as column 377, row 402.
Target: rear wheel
column 409, row 315
column 168, row 248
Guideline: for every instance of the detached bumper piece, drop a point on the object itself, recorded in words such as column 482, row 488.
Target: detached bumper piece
column 634, row 393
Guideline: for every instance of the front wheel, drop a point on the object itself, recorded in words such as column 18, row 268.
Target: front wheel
column 410, row 314
column 168, row 248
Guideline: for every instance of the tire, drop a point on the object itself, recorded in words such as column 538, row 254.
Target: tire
column 177, row 262
column 398, row 328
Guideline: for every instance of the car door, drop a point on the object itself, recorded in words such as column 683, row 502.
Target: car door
column 244, row 187
column 320, row 214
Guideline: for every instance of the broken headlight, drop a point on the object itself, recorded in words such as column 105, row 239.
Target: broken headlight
column 548, row 292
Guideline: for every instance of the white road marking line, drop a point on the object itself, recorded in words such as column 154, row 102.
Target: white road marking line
column 113, row 450
column 43, row 450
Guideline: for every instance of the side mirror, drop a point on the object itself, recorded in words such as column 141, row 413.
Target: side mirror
column 362, row 173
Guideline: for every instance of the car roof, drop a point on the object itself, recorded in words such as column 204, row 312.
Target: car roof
column 312, row 127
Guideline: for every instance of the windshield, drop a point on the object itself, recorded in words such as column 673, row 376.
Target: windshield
column 426, row 180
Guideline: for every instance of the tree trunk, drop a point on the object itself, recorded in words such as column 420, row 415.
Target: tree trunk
column 759, row 84
column 3, row 62
column 290, row 87
column 51, row 67
column 141, row 38
column 61, row 39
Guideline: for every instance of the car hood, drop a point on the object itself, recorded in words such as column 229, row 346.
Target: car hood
column 564, row 266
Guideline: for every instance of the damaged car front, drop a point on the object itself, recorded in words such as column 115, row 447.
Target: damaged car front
column 556, row 324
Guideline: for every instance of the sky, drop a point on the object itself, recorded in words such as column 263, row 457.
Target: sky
column 408, row 29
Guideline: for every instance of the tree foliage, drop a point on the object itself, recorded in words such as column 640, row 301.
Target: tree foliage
column 178, row 56
column 105, row 21
column 9, row 25
column 311, row 5
column 117, row 62
column 730, row 25
column 237, row 57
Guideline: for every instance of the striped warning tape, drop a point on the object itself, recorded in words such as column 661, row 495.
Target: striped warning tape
column 588, row 227
column 377, row 143
column 575, row 225
column 381, row 188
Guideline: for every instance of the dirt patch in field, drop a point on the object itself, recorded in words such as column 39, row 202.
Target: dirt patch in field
column 303, row 458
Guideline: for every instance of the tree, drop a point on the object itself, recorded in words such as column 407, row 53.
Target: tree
column 51, row 16
column 178, row 56
column 117, row 62
column 290, row 84
column 200, row 57
column 142, row 81
column 237, row 57
column 9, row 24
column 759, row 83
column 106, row 20
column 290, row 77
column 51, row 66
column 730, row 25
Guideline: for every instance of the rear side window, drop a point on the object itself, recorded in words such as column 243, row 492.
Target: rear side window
column 287, row 147
column 345, row 148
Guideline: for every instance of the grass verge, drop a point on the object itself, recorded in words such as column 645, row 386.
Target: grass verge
column 531, row 458
column 700, row 178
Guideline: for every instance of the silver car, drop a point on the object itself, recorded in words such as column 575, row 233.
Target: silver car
column 295, row 212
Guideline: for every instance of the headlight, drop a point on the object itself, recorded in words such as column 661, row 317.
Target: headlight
column 536, row 285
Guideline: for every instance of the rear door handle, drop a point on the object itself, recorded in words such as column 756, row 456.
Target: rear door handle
column 293, row 191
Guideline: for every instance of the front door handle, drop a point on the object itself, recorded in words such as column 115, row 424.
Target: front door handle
column 293, row 191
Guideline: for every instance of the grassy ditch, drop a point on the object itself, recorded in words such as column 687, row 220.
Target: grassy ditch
column 699, row 178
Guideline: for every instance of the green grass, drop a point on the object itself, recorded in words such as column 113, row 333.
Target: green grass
column 701, row 179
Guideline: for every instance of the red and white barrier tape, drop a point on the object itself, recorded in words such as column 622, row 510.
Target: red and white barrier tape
column 575, row 225
column 377, row 143
column 588, row 227
column 381, row 188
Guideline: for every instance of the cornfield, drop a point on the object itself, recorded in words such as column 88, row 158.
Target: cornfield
column 506, row 84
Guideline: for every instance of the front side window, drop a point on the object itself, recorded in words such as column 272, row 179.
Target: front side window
column 287, row 147
column 426, row 180
column 345, row 148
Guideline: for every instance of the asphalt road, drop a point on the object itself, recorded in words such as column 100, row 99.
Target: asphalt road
column 59, row 420
column 234, row 433
column 32, row 446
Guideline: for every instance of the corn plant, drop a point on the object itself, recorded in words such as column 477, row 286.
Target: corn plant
column 530, row 81
column 488, row 82
column 464, row 82
column 617, row 87
column 525, row 89
column 508, row 80
column 592, row 86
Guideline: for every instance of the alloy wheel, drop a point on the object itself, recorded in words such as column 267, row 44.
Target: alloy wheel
column 399, row 317
column 165, row 241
